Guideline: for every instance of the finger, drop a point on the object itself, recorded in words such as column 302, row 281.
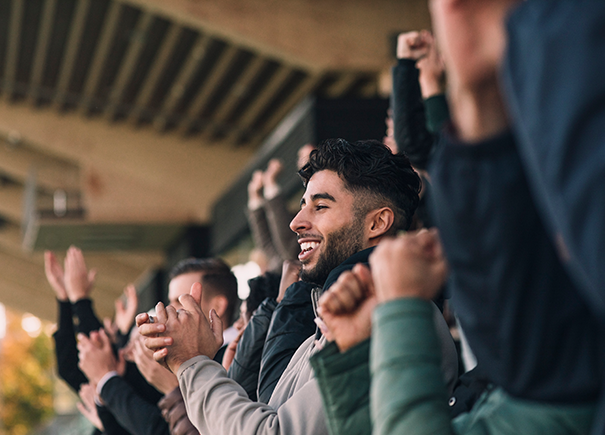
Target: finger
column 131, row 294
column 189, row 303
column 196, row 293
column 119, row 305
column 160, row 356
column 364, row 276
column 82, row 408
column 157, row 343
column 83, row 341
column 160, row 312
column 172, row 313
column 92, row 275
column 152, row 329
column 216, row 325
column 142, row 318
column 345, row 294
column 104, row 339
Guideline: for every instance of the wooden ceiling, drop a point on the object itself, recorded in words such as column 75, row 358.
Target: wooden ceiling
column 144, row 111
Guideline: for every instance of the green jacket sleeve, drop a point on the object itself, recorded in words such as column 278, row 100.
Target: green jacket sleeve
column 408, row 395
column 344, row 382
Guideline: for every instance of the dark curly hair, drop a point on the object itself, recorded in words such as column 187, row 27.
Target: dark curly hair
column 370, row 170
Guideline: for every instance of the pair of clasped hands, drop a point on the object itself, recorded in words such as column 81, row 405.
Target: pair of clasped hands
column 411, row 265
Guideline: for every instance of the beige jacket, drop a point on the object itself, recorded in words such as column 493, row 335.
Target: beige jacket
column 217, row 405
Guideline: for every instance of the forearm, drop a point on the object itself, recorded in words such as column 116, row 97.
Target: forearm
column 110, row 425
column 408, row 394
column 133, row 412
column 216, row 404
column 88, row 320
column 409, row 120
column 344, row 382
column 278, row 219
column 66, row 351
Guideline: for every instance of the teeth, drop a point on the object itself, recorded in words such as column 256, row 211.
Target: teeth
column 307, row 246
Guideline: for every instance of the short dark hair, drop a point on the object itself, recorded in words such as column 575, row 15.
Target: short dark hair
column 222, row 284
column 217, row 279
column 206, row 265
column 262, row 287
column 369, row 168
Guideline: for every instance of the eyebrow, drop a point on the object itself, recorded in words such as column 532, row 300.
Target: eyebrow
column 317, row 196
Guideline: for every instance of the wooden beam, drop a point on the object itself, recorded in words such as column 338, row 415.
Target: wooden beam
column 324, row 35
column 11, row 202
column 129, row 63
column 51, row 173
column 180, row 83
column 44, row 37
column 267, row 93
column 155, row 72
column 238, row 91
column 304, row 88
column 121, row 266
column 100, row 56
column 71, row 52
column 207, row 88
column 132, row 175
column 342, row 85
column 13, row 48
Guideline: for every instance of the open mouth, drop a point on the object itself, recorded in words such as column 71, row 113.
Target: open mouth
column 306, row 250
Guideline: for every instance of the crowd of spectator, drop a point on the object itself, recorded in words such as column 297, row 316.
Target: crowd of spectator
column 479, row 214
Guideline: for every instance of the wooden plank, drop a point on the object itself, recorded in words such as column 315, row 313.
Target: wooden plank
column 207, row 88
column 100, row 56
column 342, row 85
column 266, row 95
column 129, row 63
column 71, row 52
column 44, row 37
column 13, row 47
column 155, row 73
column 304, row 88
column 52, row 173
column 11, row 202
column 235, row 95
column 180, row 83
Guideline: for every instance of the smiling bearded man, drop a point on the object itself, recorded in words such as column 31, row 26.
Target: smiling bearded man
column 356, row 194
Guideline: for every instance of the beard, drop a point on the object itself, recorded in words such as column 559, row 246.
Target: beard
column 339, row 245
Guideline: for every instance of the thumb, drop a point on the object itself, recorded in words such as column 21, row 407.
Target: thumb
column 92, row 275
column 104, row 338
column 363, row 274
column 196, row 292
column 216, row 325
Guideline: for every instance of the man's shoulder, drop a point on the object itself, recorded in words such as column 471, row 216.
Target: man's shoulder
column 297, row 374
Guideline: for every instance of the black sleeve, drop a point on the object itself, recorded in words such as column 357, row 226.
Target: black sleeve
column 87, row 319
column 246, row 363
column 409, row 119
column 132, row 411
column 66, row 350
column 292, row 323
column 110, row 425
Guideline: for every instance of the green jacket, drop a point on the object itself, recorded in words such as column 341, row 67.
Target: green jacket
column 344, row 379
column 407, row 394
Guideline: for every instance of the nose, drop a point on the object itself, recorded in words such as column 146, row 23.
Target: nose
column 300, row 222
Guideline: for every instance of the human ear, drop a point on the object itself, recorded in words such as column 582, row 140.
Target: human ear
column 380, row 222
column 219, row 303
